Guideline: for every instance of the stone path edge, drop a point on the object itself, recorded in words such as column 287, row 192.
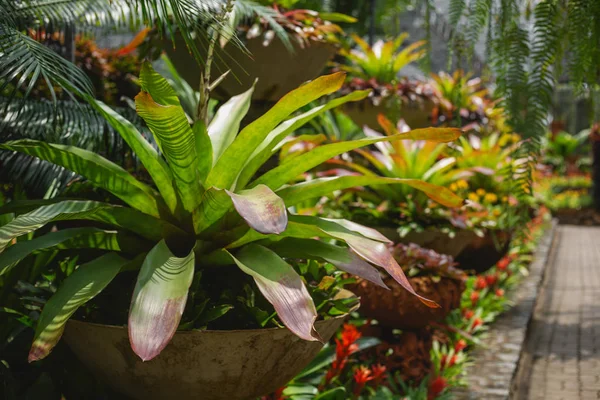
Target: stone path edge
column 548, row 246
column 493, row 371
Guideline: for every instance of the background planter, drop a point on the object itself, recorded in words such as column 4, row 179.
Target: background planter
column 415, row 114
column 278, row 71
column 484, row 252
column 216, row 365
column 397, row 308
column 438, row 241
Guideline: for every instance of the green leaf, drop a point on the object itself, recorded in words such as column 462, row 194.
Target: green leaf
column 315, row 188
column 294, row 229
column 158, row 87
column 338, row 393
column 80, row 287
column 282, row 174
column 214, row 204
column 225, row 125
column 262, row 209
column 286, row 128
column 231, row 162
column 97, row 169
column 159, row 300
column 175, row 138
column 204, row 150
column 214, row 313
column 152, row 161
column 341, row 257
column 337, row 17
column 282, row 287
column 91, row 238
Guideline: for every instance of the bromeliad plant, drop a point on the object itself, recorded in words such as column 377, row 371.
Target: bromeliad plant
column 204, row 209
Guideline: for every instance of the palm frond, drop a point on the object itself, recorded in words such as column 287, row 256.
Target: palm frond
column 63, row 122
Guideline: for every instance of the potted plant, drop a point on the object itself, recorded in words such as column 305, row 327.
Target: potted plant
column 378, row 68
column 431, row 274
column 281, row 48
column 202, row 209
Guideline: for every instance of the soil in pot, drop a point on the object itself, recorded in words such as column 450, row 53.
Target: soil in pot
column 397, row 308
column 278, row 70
column 484, row 252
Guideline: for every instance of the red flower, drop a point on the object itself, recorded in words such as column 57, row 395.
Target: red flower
column 343, row 349
column 350, row 335
column 443, row 360
column 460, row 345
column 468, row 314
column 436, row 387
column 378, row 374
column 500, row 292
column 452, row 360
column 491, row 279
column 474, row 297
column 503, row 263
column 362, row 375
column 480, row 283
column 477, row 322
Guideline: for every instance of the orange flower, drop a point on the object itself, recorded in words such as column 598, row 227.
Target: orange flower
column 480, row 283
column 477, row 322
column 500, row 292
column 460, row 345
column 474, row 297
column 503, row 263
column 362, row 375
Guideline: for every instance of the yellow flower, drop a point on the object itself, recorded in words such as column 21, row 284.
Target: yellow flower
column 504, row 199
column 516, row 137
column 490, row 198
column 496, row 213
column 473, row 197
column 453, row 187
column 462, row 184
column 480, row 192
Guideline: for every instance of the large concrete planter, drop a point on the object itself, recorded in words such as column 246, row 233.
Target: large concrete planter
column 278, row 71
column 415, row 114
column 436, row 240
column 211, row 365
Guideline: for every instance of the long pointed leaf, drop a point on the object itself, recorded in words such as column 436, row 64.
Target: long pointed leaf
column 264, row 211
column 279, row 176
column 282, row 287
column 152, row 161
column 225, row 125
column 204, row 150
column 373, row 251
column 158, row 300
column 287, row 127
column 341, row 257
column 228, row 167
column 92, row 238
column 300, row 192
column 80, row 287
column 175, row 137
column 97, row 169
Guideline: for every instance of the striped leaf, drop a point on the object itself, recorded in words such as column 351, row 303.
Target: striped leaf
column 282, row 287
column 174, row 136
column 97, row 169
column 80, row 287
column 159, row 299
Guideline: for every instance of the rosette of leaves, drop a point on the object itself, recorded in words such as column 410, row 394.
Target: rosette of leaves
column 417, row 260
column 205, row 208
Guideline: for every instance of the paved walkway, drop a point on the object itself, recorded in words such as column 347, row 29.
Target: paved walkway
column 562, row 353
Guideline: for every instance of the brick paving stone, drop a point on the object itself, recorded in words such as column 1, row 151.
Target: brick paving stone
column 561, row 357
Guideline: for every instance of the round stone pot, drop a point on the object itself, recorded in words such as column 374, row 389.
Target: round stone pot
column 278, row 71
column 215, row 365
column 484, row 252
column 438, row 241
column 397, row 308
column 364, row 112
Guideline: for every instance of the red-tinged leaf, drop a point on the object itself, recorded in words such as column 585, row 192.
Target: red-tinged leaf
column 343, row 258
column 263, row 210
column 363, row 230
column 80, row 287
column 373, row 251
column 158, row 300
column 135, row 42
column 282, row 287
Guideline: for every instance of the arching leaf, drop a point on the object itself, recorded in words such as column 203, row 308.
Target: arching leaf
column 262, row 209
column 158, row 300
